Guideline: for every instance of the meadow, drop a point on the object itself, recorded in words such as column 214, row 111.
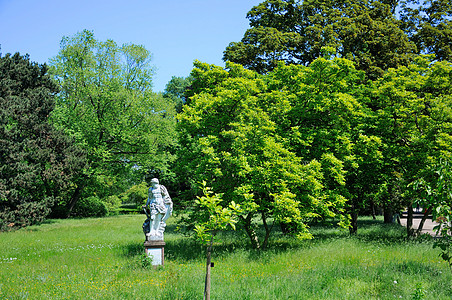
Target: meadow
column 103, row 259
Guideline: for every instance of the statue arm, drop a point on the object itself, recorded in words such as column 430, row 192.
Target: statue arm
column 165, row 195
column 168, row 203
column 149, row 197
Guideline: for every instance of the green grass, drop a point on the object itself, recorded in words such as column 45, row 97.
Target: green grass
column 102, row 259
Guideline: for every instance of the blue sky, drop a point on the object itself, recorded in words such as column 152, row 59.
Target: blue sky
column 175, row 31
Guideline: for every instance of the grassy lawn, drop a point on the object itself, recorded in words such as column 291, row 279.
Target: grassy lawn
column 103, row 259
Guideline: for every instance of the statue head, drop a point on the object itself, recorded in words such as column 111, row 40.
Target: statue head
column 154, row 182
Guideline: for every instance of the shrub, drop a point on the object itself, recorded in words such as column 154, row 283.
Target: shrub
column 90, row 207
column 137, row 195
column 113, row 203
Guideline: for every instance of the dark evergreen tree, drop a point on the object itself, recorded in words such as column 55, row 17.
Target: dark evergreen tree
column 38, row 163
column 366, row 32
column 429, row 26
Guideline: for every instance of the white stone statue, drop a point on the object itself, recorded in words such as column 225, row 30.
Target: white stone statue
column 160, row 209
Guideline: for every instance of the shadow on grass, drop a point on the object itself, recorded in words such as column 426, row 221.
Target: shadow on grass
column 416, row 268
column 37, row 227
column 369, row 230
column 179, row 247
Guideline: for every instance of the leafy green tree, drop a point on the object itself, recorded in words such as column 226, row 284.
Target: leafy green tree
column 327, row 122
column 230, row 139
column 137, row 194
column 443, row 209
column 414, row 119
column 366, row 32
column 38, row 163
column 106, row 103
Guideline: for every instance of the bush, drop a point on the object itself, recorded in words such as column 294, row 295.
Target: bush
column 137, row 194
column 90, row 207
column 113, row 203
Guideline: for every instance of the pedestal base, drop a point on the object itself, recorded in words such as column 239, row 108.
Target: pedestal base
column 155, row 249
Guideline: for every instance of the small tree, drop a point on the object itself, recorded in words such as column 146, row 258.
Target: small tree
column 212, row 218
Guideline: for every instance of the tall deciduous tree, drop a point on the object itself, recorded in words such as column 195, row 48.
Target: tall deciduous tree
column 327, row 122
column 232, row 138
column 106, row 103
column 38, row 163
column 415, row 121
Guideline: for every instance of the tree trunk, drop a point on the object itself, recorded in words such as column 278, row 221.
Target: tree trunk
column 353, row 229
column 427, row 212
column 372, row 207
column 267, row 231
column 74, row 199
column 208, row 268
column 409, row 222
column 250, row 231
column 388, row 215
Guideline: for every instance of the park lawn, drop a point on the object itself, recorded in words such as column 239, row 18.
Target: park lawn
column 103, row 259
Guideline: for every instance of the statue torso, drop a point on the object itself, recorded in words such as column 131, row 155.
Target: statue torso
column 157, row 200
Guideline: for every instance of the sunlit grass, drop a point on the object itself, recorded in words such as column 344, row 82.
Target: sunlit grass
column 102, row 259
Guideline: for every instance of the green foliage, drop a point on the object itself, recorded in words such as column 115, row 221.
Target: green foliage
column 440, row 194
column 136, row 194
column 328, row 119
column 366, row 32
column 444, row 229
column 176, row 89
column 38, row 163
column 146, row 261
column 269, row 145
column 210, row 217
column 372, row 139
column 414, row 122
column 418, row 293
column 106, row 103
column 429, row 26
column 311, row 140
column 113, row 203
column 90, row 207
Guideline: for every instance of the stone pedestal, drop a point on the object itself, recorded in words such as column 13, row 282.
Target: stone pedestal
column 155, row 249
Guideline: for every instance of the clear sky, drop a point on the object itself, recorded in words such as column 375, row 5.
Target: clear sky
column 175, row 31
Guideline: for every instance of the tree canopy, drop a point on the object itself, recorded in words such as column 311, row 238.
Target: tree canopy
column 234, row 136
column 106, row 103
column 375, row 35
column 302, row 143
column 366, row 32
column 429, row 25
